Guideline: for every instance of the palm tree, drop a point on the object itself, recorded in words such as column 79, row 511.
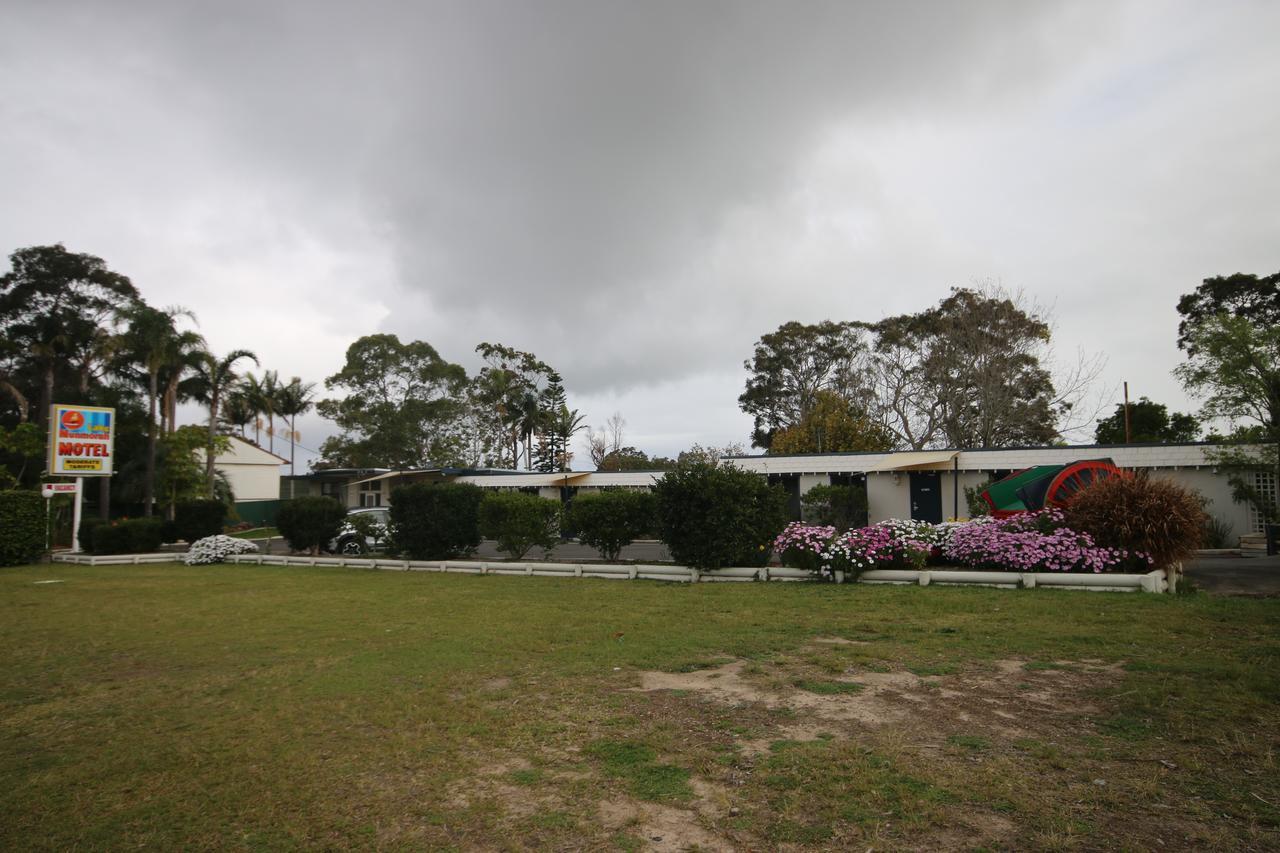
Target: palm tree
column 261, row 393
column 529, row 418
column 567, row 423
column 154, row 342
column 217, row 375
column 237, row 411
column 292, row 400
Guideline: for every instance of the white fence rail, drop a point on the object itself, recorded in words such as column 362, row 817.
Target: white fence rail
column 1154, row 581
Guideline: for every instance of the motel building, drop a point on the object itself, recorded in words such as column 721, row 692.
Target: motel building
column 926, row 484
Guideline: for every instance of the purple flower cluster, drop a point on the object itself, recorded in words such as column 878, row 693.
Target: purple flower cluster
column 1036, row 542
column 824, row 551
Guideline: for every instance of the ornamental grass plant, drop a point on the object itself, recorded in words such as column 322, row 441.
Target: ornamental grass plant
column 1158, row 517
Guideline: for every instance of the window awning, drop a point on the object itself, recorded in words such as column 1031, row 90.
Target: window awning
column 916, row 460
column 522, row 480
column 390, row 474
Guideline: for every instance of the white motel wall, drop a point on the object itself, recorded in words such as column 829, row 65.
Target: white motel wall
column 911, row 484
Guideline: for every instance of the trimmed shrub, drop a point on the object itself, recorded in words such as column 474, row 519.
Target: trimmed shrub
column 519, row 521
column 196, row 519
column 841, row 507
column 435, row 521
column 609, row 521
column 88, row 524
column 715, row 516
column 128, row 536
column 22, row 522
column 1160, row 518
column 310, row 523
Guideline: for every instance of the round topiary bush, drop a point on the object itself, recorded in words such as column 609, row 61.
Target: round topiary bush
column 311, row 523
column 436, row 521
column 1160, row 518
column 519, row 521
column 21, row 527
column 609, row 521
column 716, row 516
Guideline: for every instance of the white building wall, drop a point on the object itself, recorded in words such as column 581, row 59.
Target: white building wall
column 808, row 481
column 253, row 482
column 887, row 499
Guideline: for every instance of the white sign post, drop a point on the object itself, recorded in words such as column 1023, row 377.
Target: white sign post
column 49, row 491
column 82, row 443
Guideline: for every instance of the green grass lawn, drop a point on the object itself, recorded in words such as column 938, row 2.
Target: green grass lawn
column 249, row 707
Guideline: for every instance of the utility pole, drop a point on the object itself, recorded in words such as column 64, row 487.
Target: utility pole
column 1128, row 435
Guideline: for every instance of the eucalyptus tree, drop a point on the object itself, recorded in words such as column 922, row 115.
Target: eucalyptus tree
column 790, row 366
column 217, row 376
column 402, row 406
column 510, row 386
column 54, row 306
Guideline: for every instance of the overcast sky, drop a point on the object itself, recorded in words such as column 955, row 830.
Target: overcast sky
column 637, row 191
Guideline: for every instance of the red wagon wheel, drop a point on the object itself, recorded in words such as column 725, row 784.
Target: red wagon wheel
column 1077, row 476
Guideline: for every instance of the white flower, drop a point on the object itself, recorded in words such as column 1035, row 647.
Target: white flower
column 215, row 549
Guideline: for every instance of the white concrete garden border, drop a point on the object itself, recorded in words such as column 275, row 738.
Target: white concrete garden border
column 1153, row 581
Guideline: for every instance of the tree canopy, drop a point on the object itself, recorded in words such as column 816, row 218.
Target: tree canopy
column 972, row 371
column 833, row 425
column 1148, row 422
column 1231, row 333
column 401, row 406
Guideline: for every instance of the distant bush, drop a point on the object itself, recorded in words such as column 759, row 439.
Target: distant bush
column 310, row 523
column 1161, row 518
column 127, row 536
column 21, row 527
column 520, row 521
column 974, row 501
column 436, row 521
column 609, row 521
column 197, row 519
column 1217, row 532
column 712, row 516
column 841, row 507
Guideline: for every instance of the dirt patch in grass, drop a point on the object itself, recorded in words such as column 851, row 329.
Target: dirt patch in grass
column 658, row 827
column 1014, row 695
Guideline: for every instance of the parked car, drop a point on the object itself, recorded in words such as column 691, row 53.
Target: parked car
column 349, row 540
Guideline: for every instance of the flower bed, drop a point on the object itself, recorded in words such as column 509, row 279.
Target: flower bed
column 824, row 551
column 1035, row 542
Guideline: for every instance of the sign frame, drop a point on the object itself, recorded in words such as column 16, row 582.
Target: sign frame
column 102, row 421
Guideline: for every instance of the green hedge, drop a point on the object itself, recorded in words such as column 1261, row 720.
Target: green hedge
column 311, row 523
column 519, row 521
column 713, row 516
column 21, row 527
column 129, row 536
column 197, row 519
column 609, row 521
column 435, row 521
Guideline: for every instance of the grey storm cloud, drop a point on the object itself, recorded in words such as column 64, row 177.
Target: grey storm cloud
column 637, row 191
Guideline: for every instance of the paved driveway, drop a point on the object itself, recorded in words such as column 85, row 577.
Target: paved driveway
column 1252, row 576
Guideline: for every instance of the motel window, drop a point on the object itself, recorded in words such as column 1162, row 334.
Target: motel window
column 371, row 493
column 1264, row 484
